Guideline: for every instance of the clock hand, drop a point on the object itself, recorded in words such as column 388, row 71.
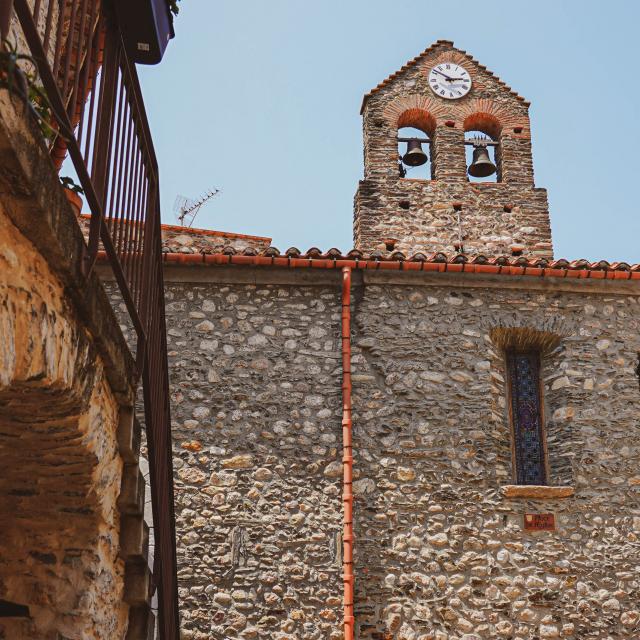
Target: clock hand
column 444, row 75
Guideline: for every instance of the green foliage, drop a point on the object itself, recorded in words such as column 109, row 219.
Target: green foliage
column 23, row 85
column 12, row 77
column 68, row 183
column 173, row 7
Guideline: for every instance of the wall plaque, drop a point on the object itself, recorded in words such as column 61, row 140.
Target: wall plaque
column 539, row 522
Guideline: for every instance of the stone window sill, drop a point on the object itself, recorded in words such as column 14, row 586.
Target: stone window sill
column 536, row 492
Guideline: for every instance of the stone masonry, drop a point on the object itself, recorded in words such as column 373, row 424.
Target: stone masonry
column 419, row 215
column 61, row 468
column 441, row 550
column 440, row 546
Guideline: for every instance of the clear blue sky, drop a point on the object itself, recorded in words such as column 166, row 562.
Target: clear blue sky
column 262, row 99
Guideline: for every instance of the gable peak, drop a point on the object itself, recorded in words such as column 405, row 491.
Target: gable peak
column 444, row 45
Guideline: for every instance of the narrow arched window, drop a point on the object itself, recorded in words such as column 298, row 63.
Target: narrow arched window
column 526, row 412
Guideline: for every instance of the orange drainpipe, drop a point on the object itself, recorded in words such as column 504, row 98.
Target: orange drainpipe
column 347, row 458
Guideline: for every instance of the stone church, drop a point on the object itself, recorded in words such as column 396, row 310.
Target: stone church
column 433, row 436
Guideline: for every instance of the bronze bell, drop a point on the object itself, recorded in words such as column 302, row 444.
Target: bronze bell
column 481, row 165
column 415, row 156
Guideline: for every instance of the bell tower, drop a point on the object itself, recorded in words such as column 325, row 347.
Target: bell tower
column 461, row 180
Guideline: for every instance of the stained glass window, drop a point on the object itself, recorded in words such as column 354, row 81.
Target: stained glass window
column 526, row 416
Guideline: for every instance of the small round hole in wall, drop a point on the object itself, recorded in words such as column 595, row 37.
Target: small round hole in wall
column 517, row 129
column 404, row 204
column 508, row 208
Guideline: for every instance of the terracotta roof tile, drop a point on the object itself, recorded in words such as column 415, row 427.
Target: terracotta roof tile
column 396, row 260
column 221, row 249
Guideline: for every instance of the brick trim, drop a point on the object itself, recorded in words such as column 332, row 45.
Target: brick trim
column 426, row 113
column 483, row 112
column 406, row 111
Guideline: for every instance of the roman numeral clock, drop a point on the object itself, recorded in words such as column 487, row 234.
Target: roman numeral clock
column 449, row 80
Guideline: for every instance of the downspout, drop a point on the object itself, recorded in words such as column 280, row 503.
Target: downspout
column 347, row 458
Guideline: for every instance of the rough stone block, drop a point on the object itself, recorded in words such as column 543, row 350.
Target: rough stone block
column 141, row 623
column 134, row 538
column 137, row 583
column 131, row 499
column 129, row 433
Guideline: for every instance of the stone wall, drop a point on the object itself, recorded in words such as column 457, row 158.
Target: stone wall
column 440, row 550
column 61, row 469
column 188, row 240
column 444, row 551
column 497, row 218
column 256, row 400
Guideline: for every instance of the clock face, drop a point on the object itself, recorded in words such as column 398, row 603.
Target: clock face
column 449, row 80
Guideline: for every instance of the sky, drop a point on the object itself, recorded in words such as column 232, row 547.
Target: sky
column 261, row 99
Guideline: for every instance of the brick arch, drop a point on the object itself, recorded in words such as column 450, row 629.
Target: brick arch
column 418, row 119
column 416, row 110
column 485, row 122
column 454, row 56
column 482, row 112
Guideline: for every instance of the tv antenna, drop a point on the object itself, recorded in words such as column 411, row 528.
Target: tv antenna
column 187, row 209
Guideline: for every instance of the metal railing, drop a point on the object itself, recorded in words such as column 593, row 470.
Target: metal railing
column 99, row 120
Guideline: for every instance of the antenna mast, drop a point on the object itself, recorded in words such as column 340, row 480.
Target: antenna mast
column 186, row 209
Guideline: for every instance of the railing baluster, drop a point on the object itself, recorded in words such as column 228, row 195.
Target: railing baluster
column 47, row 27
column 90, row 68
column 127, row 180
column 68, row 53
column 144, row 210
column 135, row 224
column 103, row 117
column 62, row 15
column 131, row 194
column 117, row 165
column 118, row 211
column 77, row 67
column 92, row 109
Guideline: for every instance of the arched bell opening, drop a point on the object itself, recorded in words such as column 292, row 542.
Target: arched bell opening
column 415, row 132
column 482, row 147
column 414, row 154
column 482, row 156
